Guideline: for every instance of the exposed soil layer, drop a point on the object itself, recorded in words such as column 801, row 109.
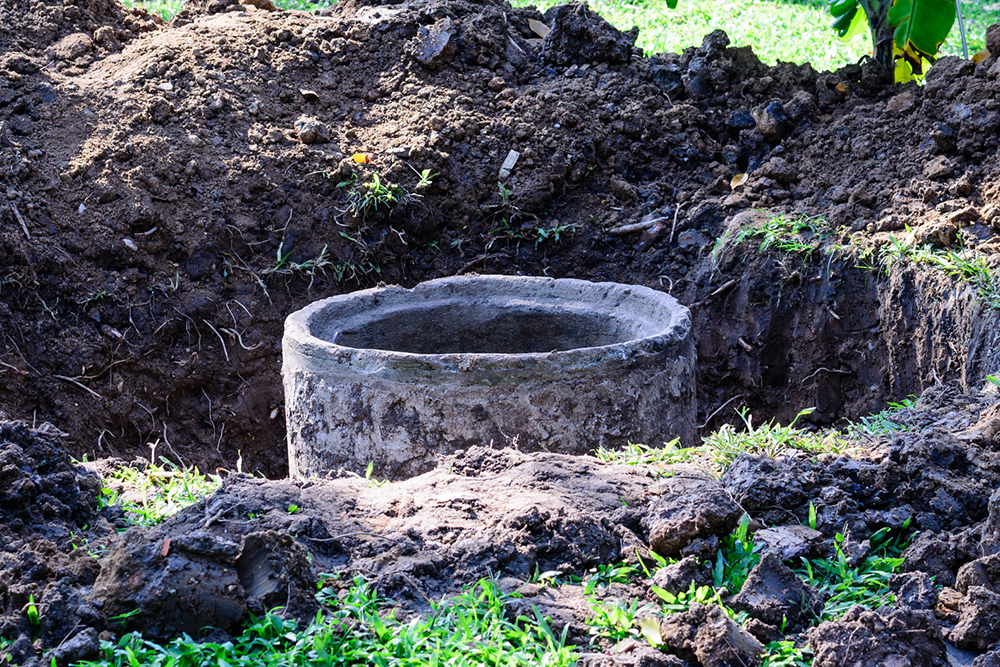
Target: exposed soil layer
column 172, row 192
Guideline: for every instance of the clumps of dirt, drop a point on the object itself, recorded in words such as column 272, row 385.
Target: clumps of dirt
column 884, row 636
column 50, row 527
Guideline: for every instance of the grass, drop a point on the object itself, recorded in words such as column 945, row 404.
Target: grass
column 880, row 423
column 164, row 490
column 866, row 584
column 800, row 235
column 735, row 558
column 966, row 265
column 470, row 629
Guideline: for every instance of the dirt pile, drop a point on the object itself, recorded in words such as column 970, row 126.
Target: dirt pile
column 165, row 207
column 49, row 527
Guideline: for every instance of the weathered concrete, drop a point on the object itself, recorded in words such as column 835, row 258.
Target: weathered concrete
column 399, row 377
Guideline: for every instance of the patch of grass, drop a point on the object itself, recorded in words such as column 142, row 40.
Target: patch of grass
column 786, row 654
column 604, row 575
column 881, row 422
column 469, row 629
column 866, row 584
column 967, row 266
column 769, row 439
column 157, row 492
column 614, row 620
column 800, row 235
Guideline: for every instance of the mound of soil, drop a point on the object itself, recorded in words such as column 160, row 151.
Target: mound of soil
column 172, row 192
column 49, row 528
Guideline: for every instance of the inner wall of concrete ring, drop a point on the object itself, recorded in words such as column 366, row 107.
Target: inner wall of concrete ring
column 348, row 407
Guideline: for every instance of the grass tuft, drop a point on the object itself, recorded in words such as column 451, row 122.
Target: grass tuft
column 157, row 492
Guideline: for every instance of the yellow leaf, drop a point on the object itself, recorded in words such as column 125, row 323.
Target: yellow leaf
column 843, row 87
column 980, row 56
column 738, row 180
column 360, row 158
column 650, row 629
column 538, row 28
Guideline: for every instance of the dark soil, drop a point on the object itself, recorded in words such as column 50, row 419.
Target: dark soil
column 171, row 192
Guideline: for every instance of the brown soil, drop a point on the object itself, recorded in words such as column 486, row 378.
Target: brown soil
column 171, row 192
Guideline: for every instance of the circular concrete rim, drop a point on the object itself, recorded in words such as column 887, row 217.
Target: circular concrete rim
column 326, row 355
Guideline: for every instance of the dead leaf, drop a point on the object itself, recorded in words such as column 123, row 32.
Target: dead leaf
column 842, row 87
column 980, row 56
column 310, row 95
column 650, row 629
column 166, row 547
column 360, row 158
column 737, row 181
column 538, row 28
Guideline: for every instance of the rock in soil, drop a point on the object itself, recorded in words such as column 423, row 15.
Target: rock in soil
column 776, row 596
column 689, row 508
column 886, row 636
column 706, row 636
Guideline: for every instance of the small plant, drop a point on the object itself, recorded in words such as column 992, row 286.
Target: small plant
column 995, row 381
column 294, row 509
column 801, row 234
column 31, row 612
column 735, row 558
column 603, row 576
column 812, row 516
column 554, row 233
column 881, row 422
column 614, row 619
column 786, row 654
column 640, row 454
column 372, row 481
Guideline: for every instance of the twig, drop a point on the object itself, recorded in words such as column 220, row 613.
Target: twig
column 224, row 350
column 337, row 537
column 17, row 214
column 718, row 410
column 81, row 386
column 828, row 370
column 723, row 288
column 640, row 226
column 478, row 260
column 171, row 447
column 215, row 517
column 236, row 333
column 674, row 226
column 13, row 368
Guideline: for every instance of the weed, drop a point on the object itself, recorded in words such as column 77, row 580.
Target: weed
column 704, row 595
column 881, row 422
column 469, row 629
column 966, row 266
column 735, row 558
column 553, row 578
column 995, row 381
column 614, row 619
column 603, row 576
column 801, row 234
column 640, row 454
column 165, row 490
column 786, row 654
column 554, row 233
column 812, row 516
column 866, row 584
column 769, row 439
column 294, row 509
column 31, row 612
column 376, row 194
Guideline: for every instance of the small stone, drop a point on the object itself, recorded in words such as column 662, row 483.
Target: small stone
column 789, row 542
column 691, row 238
column 775, row 595
column 311, row 130
column 435, row 44
column 939, row 167
column 71, row 47
column 771, row 121
column 978, row 626
column 939, row 233
column 707, row 636
column 900, row 103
